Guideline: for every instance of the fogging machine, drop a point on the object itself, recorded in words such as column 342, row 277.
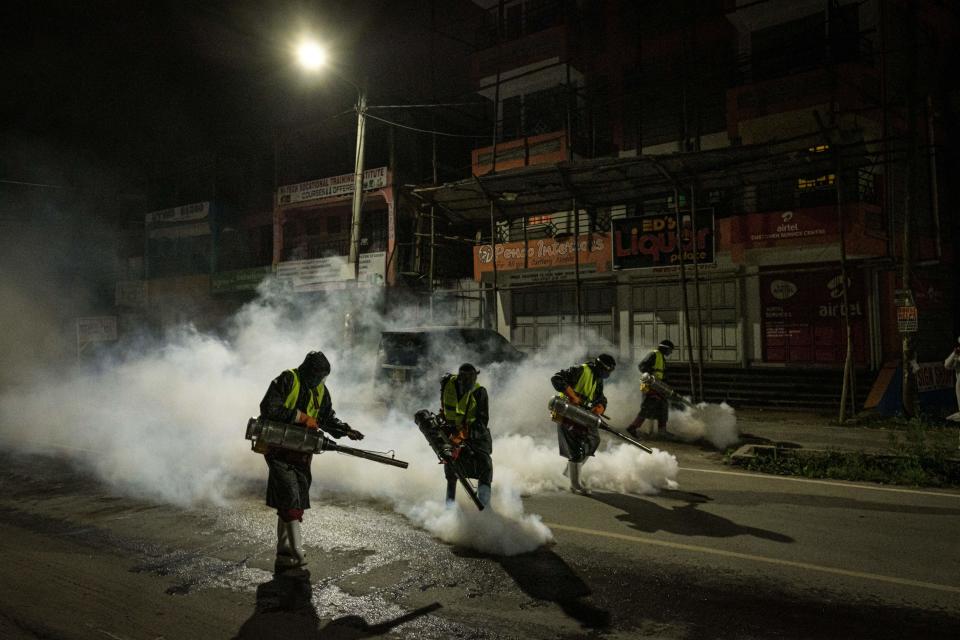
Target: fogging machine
column 650, row 381
column 438, row 432
column 563, row 411
column 296, row 437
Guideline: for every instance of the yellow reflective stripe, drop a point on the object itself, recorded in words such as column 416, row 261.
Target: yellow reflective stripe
column 313, row 407
column 659, row 366
column 454, row 408
column 587, row 384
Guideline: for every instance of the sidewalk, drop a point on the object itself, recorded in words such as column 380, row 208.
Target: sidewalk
column 811, row 430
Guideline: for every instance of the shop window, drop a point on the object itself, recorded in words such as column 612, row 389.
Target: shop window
column 820, row 182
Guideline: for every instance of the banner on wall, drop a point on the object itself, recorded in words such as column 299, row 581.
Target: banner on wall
column 321, row 274
column 341, row 185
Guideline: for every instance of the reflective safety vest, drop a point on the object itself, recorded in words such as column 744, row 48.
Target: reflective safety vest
column 316, row 396
column 586, row 386
column 659, row 366
column 459, row 410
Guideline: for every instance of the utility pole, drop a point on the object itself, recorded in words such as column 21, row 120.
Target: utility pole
column 908, row 354
column 358, row 185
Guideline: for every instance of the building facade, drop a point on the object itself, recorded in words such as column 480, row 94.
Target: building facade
column 856, row 84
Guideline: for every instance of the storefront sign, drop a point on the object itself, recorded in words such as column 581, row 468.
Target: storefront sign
column 239, row 279
column 651, row 241
column 784, row 227
column 328, row 187
column 803, row 316
column 543, row 254
column 183, row 213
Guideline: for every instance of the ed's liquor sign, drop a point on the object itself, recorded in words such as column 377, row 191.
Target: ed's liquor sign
column 652, row 240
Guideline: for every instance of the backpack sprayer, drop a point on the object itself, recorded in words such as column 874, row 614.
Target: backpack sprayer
column 263, row 433
column 563, row 411
column 438, row 432
column 650, row 382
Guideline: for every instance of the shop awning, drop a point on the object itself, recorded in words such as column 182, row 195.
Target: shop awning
column 605, row 182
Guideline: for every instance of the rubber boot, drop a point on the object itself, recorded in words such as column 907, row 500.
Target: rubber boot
column 649, row 427
column 635, row 426
column 295, row 541
column 451, row 492
column 483, row 493
column 284, row 554
column 574, row 472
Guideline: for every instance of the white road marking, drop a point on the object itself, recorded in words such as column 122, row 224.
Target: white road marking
column 847, row 485
column 747, row 556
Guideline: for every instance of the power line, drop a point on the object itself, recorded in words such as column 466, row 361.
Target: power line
column 430, row 131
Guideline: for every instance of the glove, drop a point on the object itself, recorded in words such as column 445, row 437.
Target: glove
column 459, row 437
column 598, row 409
column 353, row 434
column 574, row 398
column 308, row 421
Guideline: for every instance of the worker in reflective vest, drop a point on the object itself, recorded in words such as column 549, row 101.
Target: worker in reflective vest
column 465, row 408
column 583, row 386
column 655, row 409
column 297, row 396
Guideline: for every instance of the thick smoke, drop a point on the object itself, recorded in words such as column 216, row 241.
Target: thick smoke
column 166, row 421
column 715, row 423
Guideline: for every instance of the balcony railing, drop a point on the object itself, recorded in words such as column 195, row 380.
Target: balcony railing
column 521, row 19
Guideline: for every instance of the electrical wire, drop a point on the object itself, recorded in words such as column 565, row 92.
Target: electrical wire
column 430, row 131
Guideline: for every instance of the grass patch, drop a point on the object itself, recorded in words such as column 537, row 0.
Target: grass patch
column 918, row 456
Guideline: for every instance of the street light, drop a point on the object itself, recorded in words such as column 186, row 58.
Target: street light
column 311, row 56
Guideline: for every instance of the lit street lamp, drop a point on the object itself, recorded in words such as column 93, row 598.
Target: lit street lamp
column 311, row 56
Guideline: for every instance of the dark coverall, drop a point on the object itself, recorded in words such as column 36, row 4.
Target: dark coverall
column 654, row 406
column 576, row 443
column 288, row 482
column 476, row 455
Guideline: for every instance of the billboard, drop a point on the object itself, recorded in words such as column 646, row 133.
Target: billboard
column 650, row 241
column 341, row 185
column 179, row 240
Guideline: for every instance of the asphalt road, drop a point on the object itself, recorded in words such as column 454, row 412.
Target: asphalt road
column 731, row 555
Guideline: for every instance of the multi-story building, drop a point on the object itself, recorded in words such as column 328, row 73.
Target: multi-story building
column 825, row 119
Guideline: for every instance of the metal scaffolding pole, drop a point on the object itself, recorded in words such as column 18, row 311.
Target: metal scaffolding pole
column 493, row 246
column 683, row 283
column 696, row 289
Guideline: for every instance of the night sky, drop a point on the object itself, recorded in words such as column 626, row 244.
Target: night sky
column 118, row 85
column 104, row 101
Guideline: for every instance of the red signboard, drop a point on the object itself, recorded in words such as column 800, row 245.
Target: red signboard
column 784, row 227
column 652, row 240
column 803, row 316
